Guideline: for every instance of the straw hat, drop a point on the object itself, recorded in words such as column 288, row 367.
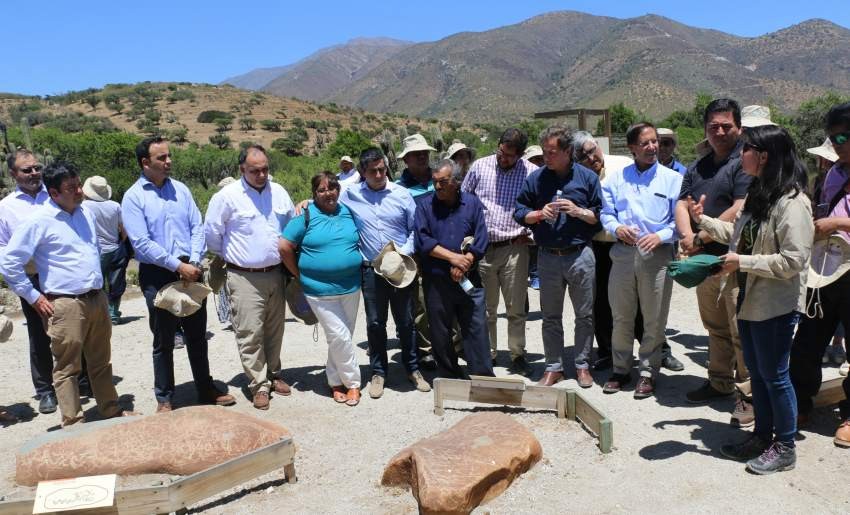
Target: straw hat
column 533, row 151
column 415, row 143
column 830, row 260
column 826, row 151
column 398, row 269
column 181, row 298
column 347, row 159
column 755, row 116
column 96, row 188
column 665, row 133
column 5, row 328
column 224, row 182
column 456, row 147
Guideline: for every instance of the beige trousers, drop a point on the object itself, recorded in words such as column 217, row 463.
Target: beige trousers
column 258, row 309
column 505, row 270
column 725, row 358
column 77, row 327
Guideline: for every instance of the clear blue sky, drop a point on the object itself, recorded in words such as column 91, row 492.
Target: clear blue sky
column 58, row 46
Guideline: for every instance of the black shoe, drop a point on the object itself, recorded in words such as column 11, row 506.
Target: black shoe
column 672, row 364
column 520, row 366
column 427, row 362
column 705, row 393
column 751, row 448
column 603, row 363
column 47, row 404
column 85, row 390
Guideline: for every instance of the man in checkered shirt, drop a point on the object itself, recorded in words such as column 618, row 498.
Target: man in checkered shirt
column 497, row 180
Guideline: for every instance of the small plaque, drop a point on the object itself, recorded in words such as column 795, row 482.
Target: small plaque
column 79, row 493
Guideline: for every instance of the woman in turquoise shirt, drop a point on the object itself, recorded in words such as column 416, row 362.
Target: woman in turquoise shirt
column 328, row 265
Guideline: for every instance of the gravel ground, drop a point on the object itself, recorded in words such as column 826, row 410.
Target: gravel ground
column 665, row 459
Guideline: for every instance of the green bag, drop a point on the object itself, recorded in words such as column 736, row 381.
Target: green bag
column 690, row 272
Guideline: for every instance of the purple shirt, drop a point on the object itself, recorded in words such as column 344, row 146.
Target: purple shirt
column 498, row 190
column 836, row 178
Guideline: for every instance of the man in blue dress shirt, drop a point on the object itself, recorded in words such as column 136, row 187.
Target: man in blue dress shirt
column 638, row 208
column 164, row 226
column 61, row 239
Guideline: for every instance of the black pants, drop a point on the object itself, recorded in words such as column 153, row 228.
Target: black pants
column 446, row 302
column 164, row 325
column 813, row 335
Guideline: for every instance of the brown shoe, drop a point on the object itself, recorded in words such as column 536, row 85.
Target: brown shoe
column 338, row 393
column 261, row 399
column 645, row 388
column 215, row 396
column 163, row 407
column 352, row 398
column 585, row 380
column 842, row 435
column 550, row 378
column 616, row 382
column 280, row 387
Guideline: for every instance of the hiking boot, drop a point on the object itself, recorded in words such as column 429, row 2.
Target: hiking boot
column 743, row 415
column 705, row 393
column 750, row 448
column 777, row 458
column 672, row 364
column 376, row 386
column 520, row 366
column 418, row 381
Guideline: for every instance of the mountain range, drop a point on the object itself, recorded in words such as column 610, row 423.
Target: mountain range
column 568, row 59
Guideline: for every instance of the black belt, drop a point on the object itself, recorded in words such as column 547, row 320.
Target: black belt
column 53, row 296
column 243, row 269
column 504, row 243
column 562, row 251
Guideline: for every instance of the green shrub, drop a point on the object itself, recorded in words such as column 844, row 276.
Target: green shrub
column 212, row 116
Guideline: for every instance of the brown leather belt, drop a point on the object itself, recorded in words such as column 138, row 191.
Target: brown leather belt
column 53, row 296
column 243, row 269
column 563, row 251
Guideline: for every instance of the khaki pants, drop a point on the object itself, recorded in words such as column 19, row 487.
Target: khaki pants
column 258, row 308
column 505, row 269
column 77, row 327
column 636, row 279
column 725, row 358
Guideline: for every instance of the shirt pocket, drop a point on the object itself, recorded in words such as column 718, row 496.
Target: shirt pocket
column 658, row 208
column 242, row 220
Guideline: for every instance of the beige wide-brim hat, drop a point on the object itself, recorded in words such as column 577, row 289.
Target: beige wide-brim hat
column 755, row 116
column 533, row 151
column 826, row 151
column 830, row 260
column 96, row 188
column 398, row 269
column 6, row 327
column 665, row 133
column 415, row 143
column 456, row 147
column 225, row 182
column 181, row 298
column 347, row 159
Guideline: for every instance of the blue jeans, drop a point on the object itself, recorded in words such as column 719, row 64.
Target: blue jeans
column 378, row 297
column 767, row 350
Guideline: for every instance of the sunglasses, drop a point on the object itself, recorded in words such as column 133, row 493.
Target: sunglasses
column 31, row 169
column 840, row 138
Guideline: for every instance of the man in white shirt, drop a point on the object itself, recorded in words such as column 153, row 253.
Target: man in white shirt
column 346, row 169
column 243, row 225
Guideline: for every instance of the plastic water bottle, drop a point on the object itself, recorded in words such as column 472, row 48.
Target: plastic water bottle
column 466, row 284
column 558, row 195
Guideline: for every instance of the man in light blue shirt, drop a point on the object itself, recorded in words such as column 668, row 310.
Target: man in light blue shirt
column 638, row 208
column 384, row 212
column 61, row 239
column 165, row 228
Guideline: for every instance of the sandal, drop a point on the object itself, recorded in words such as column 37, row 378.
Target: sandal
column 338, row 393
column 353, row 397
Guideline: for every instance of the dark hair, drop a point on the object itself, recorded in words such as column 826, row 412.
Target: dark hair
column 55, row 174
column 564, row 135
column 143, row 149
column 243, row 154
column 782, row 174
column 370, row 155
column 633, row 132
column 333, row 182
column 514, row 138
column 838, row 116
column 12, row 159
column 723, row 105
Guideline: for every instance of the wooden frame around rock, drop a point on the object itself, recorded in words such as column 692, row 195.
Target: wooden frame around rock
column 177, row 496
column 567, row 404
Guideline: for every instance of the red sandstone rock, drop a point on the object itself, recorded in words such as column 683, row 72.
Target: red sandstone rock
column 468, row 464
column 181, row 442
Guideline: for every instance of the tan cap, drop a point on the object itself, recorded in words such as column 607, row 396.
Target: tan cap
column 532, row 151
column 415, row 143
column 347, row 159
column 665, row 133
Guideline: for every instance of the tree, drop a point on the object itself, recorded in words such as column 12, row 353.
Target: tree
column 222, row 125
column 621, row 118
column 93, row 101
column 212, row 116
column 348, row 143
column 271, row 125
column 178, row 135
column 808, row 124
column 247, row 124
column 222, row 141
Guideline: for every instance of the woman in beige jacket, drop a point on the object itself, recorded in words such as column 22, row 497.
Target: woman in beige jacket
column 769, row 247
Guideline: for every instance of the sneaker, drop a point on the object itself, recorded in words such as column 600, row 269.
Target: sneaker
column 47, row 404
column 376, row 386
column 672, row 364
column 178, row 341
column 844, row 369
column 743, row 415
column 705, row 393
column 777, row 458
column 750, row 448
column 520, row 366
column 418, row 381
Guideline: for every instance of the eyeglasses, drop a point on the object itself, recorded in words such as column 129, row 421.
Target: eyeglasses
column 715, row 127
column 31, row 169
column 840, row 138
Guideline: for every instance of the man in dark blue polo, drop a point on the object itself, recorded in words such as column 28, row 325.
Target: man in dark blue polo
column 560, row 202
column 451, row 238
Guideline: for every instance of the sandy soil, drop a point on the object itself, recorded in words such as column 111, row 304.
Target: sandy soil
column 665, row 458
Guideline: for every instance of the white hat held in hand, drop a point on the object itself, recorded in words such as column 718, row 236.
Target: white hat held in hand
column 181, row 298
column 398, row 269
